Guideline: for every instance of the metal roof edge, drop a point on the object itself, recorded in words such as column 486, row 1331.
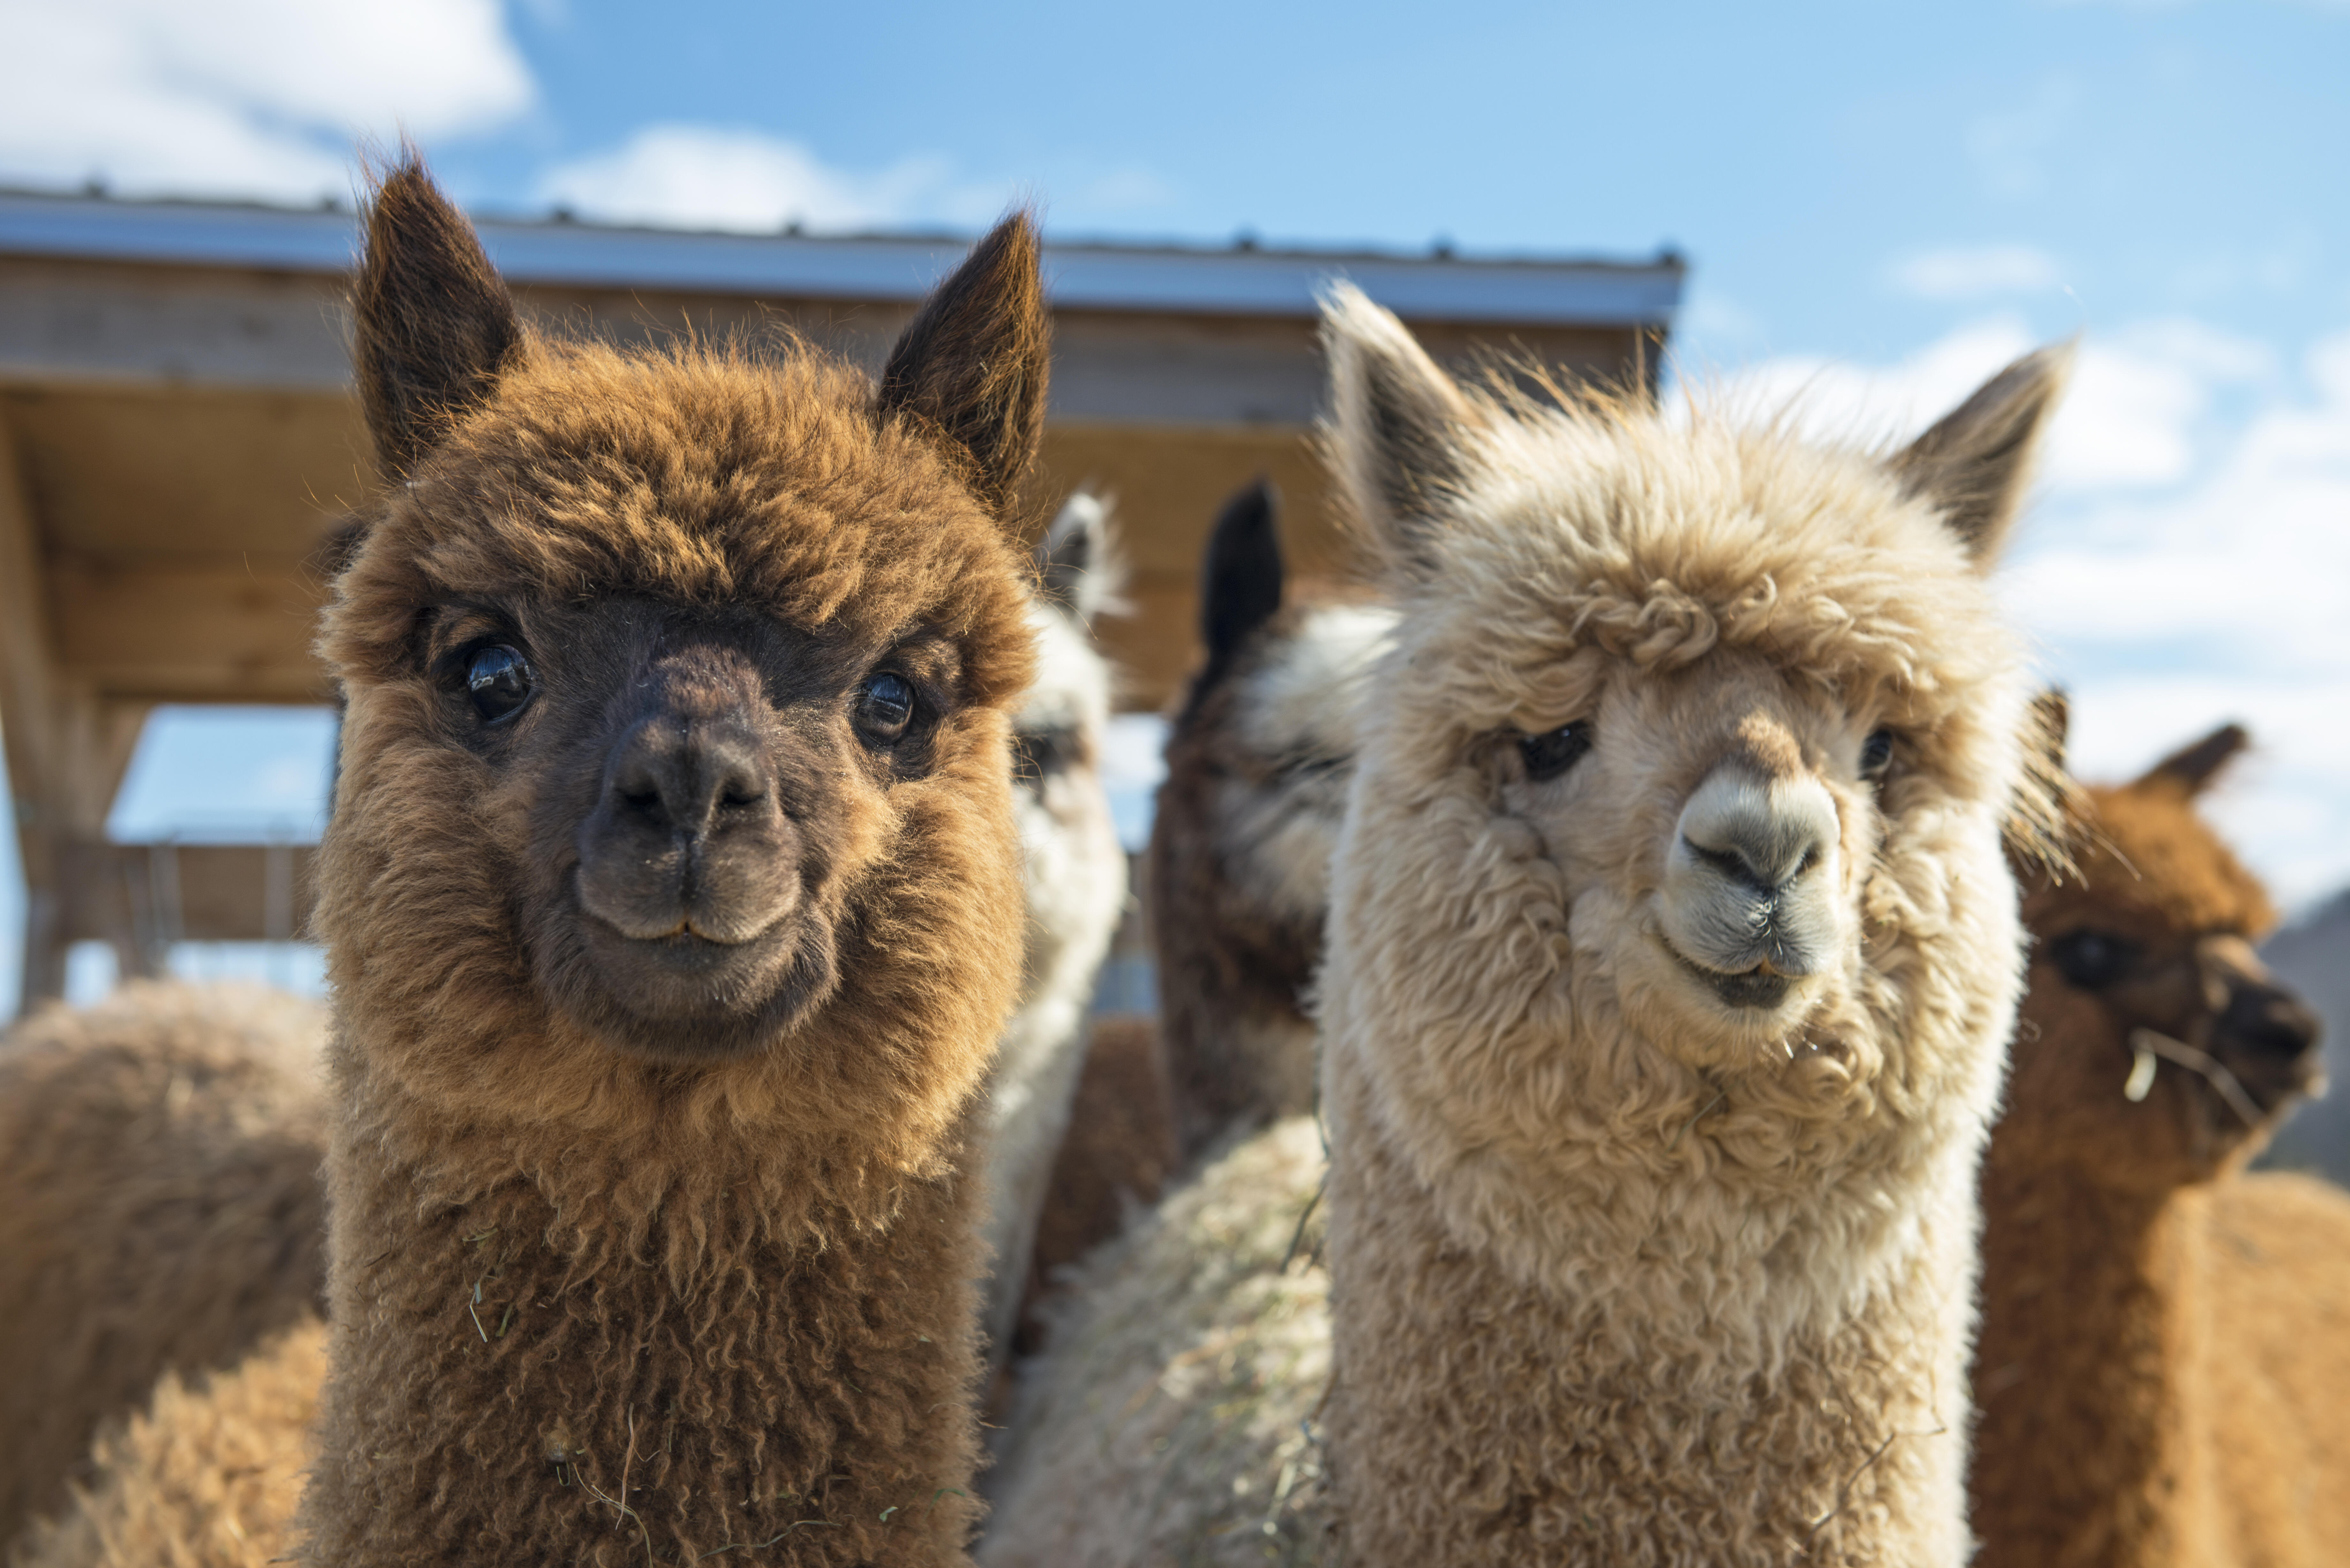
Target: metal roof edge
column 1085, row 275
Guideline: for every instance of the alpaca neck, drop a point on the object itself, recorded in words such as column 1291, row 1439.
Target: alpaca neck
column 1477, row 1417
column 2093, row 1323
column 583, row 1356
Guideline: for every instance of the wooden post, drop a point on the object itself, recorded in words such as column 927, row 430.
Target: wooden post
column 68, row 747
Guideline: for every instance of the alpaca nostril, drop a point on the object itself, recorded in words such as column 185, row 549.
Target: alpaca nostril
column 2258, row 1020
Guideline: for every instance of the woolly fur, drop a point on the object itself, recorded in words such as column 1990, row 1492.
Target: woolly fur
column 158, row 1157
column 1169, row 1421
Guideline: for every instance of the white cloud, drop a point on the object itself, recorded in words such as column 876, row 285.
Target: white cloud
column 259, row 97
column 1976, row 271
column 2134, row 415
column 2188, row 562
column 715, row 177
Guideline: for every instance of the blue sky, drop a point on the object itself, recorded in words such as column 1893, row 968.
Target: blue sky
column 1879, row 203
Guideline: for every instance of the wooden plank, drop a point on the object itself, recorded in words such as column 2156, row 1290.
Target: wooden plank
column 191, row 632
column 151, row 895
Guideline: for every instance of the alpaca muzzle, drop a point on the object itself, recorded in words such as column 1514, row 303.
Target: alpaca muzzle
column 689, row 840
column 1749, row 891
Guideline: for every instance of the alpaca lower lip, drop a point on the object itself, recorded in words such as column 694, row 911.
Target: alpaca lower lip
column 1761, row 987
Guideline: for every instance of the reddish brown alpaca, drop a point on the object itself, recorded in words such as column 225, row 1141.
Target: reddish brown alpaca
column 672, row 909
column 2163, row 1372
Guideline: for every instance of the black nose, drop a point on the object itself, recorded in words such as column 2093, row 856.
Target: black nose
column 687, row 775
column 2266, row 1021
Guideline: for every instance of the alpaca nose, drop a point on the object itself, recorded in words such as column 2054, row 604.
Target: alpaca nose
column 688, row 836
column 1748, row 899
column 2267, row 1020
column 1763, row 832
column 687, row 778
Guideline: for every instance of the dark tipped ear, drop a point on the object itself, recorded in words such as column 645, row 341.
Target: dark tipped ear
column 2190, row 769
column 2052, row 726
column 1401, row 435
column 1077, row 564
column 973, row 361
column 435, row 323
column 2045, row 817
column 1240, row 575
column 1976, row 464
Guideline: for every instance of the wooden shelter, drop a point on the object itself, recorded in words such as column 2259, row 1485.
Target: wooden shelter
column 178, row 428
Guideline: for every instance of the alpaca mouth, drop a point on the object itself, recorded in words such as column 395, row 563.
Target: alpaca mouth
column 1759, row 989
column 685, row 996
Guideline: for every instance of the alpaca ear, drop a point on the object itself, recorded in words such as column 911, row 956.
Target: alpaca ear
column 1240, row 575
column 436, row 325
column 1077, row 564
column 2044, row 818
column 1400, row 434
column 1976, row 462
column 2190, row 770
column 973, row 361
column 2051, row 726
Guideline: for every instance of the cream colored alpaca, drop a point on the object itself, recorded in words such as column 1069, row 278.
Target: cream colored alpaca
column 1672, row 957
column 1074, row 873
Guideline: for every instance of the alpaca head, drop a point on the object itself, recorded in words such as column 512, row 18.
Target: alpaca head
column 1682, row 793
column 1258, row 758
column 678, row 689
column 1075, row 869
column 2154, row 1047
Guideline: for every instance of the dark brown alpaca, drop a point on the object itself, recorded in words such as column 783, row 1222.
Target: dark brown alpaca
column 2163, row 1372
column 673, row 908
column 1238, row 873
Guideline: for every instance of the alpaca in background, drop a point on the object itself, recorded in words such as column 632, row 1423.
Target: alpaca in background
column 672, row 906
column 1073, row 872
column 160, row 1208
column 2163, row 1372
column 1237, row 878
column 1651, row 1207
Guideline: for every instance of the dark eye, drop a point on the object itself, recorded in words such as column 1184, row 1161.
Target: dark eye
column 500, row 681
column 884, row 706
column 1876, row 754
column 1039, row 753
column 1550, row 755
column 2093, row 959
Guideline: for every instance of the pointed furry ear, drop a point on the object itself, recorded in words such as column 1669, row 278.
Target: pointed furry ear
column 2050, row 725
column 1077, row 563
column 436, row 325
column 2044, row 818
column 973, row 361
column 1241, row 575
column 2190, row 770
column 1976, row 462
column 1400, row 434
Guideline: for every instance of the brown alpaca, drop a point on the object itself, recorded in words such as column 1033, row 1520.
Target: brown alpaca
column 114, row 1270
column 2164, row 1350
column 1672, row 957
column 672, row 907
column 1238, row 873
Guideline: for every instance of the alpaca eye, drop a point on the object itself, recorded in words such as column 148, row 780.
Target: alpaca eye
column 500, row 681
column 2093, row 959
column 884, row 706
column 1876, row 754
column 1037, row 754
column 1550, row 754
